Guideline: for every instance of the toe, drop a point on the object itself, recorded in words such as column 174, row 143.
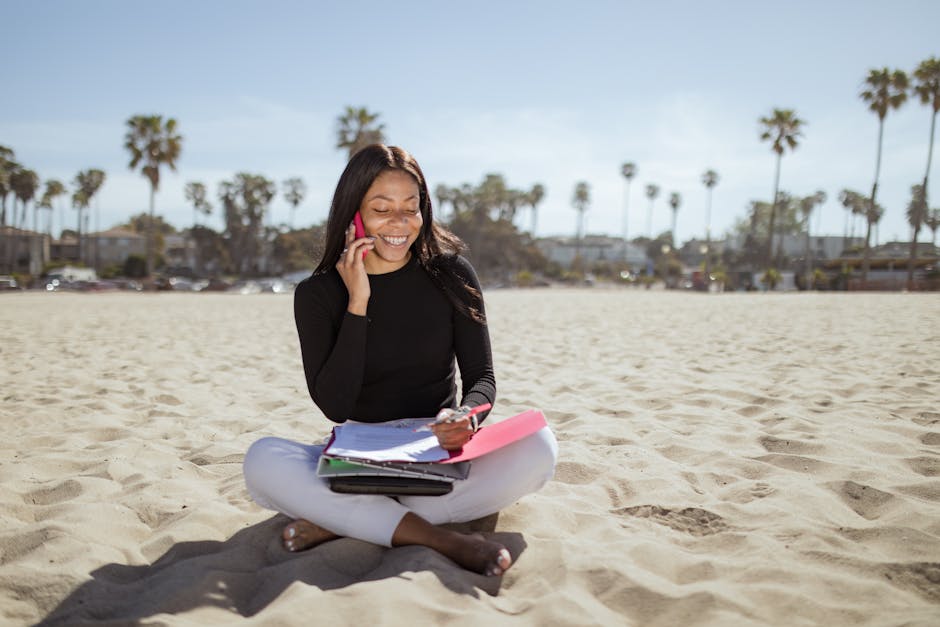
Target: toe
column 290, row 531
column 500, row 565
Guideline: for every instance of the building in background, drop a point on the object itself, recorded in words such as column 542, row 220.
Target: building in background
column 23, row 251
column 593, row 249
column 112, row 247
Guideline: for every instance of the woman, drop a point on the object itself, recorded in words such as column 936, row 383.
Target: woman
column 381, row 322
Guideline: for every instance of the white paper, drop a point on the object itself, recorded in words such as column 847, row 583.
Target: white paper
column 388, row 441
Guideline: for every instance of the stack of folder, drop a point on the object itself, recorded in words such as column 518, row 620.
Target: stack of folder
column 402, row 458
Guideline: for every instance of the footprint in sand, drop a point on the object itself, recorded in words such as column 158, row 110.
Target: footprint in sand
column 749, row 411
column 574, row 473
column 795, row 447
column 49, row 496
column 920, row 577
column 15, row 546
column 864, row 500
column 561, row 417
column 796, row 463
column 691, row 520
column 208, row 460
column 926, row 466
column 927, row 418
column 931, row 439
column 167, row 399
column 760, row 490
column 619, row 493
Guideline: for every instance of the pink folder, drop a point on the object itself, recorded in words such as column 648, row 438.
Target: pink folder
column 497, row 435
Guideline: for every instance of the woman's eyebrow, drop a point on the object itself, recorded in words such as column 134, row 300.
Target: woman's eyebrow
column 389, row 198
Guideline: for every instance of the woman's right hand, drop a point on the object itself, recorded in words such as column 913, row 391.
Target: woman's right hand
column 353, row 271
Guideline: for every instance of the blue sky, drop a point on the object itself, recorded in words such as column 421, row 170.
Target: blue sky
column 541, row 92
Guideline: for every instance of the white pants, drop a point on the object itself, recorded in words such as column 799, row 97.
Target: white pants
column 282, row 475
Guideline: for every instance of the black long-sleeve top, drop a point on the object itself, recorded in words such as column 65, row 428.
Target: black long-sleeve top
column 398, row 360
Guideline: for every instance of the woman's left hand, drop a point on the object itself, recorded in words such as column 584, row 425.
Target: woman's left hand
column 452, row 435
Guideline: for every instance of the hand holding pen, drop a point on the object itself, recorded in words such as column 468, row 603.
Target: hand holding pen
column 455, row 428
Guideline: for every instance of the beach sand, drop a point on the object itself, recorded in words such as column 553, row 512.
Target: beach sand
column 735, row 459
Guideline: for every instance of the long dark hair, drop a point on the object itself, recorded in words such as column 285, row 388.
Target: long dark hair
column 435, row 247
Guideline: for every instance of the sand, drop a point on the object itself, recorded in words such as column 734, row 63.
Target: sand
column 735, row 459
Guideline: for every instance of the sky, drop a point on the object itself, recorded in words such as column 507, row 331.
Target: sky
column 540, row 92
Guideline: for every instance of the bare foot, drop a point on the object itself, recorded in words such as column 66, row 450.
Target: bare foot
column 301, row 535
column 471, row 551
column 476, row 553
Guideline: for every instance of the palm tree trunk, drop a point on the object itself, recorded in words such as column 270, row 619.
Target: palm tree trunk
column 708, row 240
column 871, row 204
column 626, row 218
column 577, row 249
column 933, row 121
column 97, row 234
column 808, row 259
column 649, row 221
column 79, row 234
column 150, row 241
column 773, row 213
column 912, row 258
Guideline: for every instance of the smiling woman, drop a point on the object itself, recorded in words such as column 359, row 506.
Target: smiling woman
column 381, row 337
column 392, row 219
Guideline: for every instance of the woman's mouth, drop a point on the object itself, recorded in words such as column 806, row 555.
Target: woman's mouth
column 394, row 240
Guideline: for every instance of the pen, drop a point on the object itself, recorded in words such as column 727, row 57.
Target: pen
column 473, row 411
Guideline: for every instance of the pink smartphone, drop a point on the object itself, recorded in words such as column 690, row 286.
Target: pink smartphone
column 360, row 230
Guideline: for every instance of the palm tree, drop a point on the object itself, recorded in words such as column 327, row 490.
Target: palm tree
column 916, row 216
column 855, row 204
column 884, row 90
column 355, row 130
column 872, row 214
column 580, row 201
column 674, row 201
column 245, row 202
column 89, row 182
column 933, row 223
column 533, row 198
column 807, row 205
column 850, row 200
column 709, row 180
column 443, row 194
column 927, row 77
column 195, row 193
column 294, row 191
column 652, row 191
column 628, row 171
column 24, row 184
column 54, row 189
column 8, row 165
column 782, row 128
column 152, row 143
column 79, row 203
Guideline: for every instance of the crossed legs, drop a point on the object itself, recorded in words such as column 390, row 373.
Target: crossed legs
column 281, row 475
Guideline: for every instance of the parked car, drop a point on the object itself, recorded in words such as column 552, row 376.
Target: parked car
column 8, row 283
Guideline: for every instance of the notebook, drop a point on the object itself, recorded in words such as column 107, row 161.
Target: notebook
column 383, row 458
column 403, row 441
column 341, row 467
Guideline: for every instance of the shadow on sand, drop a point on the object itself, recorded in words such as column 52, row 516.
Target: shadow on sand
column 245, row 573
